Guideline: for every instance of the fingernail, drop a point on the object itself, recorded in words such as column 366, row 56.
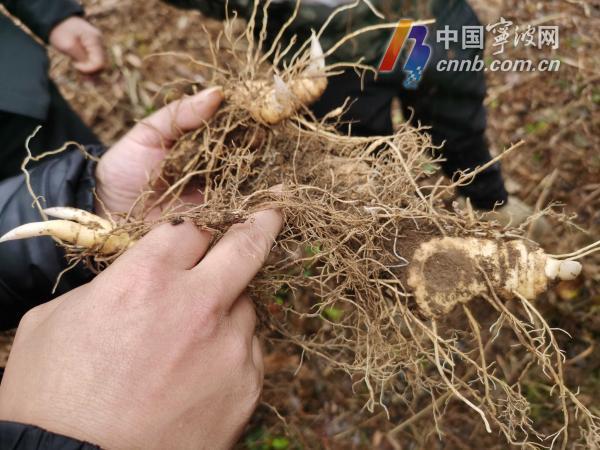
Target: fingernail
column 211, row 91
column 276, row 192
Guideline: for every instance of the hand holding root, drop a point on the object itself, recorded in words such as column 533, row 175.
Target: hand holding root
column 472, row 266
column 121, row 176
column 89, row 231
column 168, row 325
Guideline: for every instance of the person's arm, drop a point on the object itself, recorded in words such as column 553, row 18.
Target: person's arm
column 29, row 268
column 41, row 16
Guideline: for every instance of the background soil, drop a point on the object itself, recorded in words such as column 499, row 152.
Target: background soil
column 557, row 114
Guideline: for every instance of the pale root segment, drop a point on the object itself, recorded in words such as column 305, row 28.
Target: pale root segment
column 281, row 100
column 445, row 272
column 80, row 216
column 76, row 227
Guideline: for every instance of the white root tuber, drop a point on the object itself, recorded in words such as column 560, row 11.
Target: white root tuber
column 447, row 271
column 79, row 216
column 76, row 227
column 283, row 99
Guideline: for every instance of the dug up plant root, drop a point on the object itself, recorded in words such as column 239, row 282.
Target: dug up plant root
column 405, row 296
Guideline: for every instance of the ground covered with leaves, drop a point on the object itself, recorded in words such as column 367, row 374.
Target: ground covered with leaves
column 308, row 404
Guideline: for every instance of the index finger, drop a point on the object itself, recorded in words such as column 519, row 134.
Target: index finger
column 232, row 263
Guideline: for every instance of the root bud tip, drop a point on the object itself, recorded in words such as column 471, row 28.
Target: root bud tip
column 563, row 270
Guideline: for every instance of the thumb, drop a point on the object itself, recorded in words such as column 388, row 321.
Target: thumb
column 94, row 55
column 170, row 122
column 76, row 50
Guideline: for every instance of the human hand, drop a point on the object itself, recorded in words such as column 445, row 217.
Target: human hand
column 158, row 351
column 81, row 41
column 125, row 170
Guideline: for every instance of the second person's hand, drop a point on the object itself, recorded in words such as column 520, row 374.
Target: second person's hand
column 78, row 39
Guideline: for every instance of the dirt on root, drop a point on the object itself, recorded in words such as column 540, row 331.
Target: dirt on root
column 446, row 270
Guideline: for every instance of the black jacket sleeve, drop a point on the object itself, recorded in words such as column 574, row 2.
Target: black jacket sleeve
column 18, row 436
column 30, row 267
column 41, row 16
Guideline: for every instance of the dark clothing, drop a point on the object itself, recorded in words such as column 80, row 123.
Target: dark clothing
column 18, row 436
column 28, row 97
column 30, row 267
column 62, row 125
column 24, row 82
column 23, row 78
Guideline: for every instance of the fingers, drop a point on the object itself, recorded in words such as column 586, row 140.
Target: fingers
column 94, row 59
column 232, row 263
column 167, row 124
column 243, row 317
column 172, row 246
